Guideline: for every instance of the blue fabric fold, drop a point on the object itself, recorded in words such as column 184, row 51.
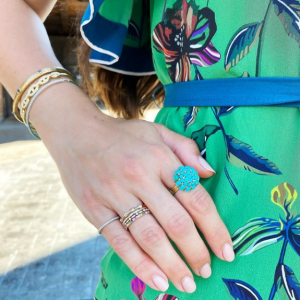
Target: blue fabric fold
column 118, row 36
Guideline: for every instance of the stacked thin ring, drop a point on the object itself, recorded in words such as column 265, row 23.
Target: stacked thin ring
column 134, row 214
column 186, row 178
column 129, row 217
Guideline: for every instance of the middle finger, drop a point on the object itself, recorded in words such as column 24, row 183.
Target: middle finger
column 177, row 223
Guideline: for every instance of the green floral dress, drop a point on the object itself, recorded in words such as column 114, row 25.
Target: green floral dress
column 255, row 150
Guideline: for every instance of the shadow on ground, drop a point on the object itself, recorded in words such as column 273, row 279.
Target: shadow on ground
column 71, row 274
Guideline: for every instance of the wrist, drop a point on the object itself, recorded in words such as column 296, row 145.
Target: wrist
column 63, row 108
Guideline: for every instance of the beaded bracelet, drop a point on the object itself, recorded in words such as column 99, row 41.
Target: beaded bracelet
column 28, row 82
column 52, row 82
column 32, row 90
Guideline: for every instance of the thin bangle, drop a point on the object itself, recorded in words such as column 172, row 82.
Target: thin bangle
column 27, row 123
column 28, row 82
column 33, row 89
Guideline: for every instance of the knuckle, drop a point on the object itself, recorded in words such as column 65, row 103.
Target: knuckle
column 198, row 261
column 121, row 243
column 220, row 233
column 158, row 151
column 189, row 142
column 180, row 224
column 152, row 236
column 131, row 167
column 143, row 266
column 109, row 184
column 90, row 200
column 177, row 270
column 200, row 202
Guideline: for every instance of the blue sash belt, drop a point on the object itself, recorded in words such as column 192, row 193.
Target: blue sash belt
column 242, row 91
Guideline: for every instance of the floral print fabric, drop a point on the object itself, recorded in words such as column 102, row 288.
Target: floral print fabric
column 254, row 150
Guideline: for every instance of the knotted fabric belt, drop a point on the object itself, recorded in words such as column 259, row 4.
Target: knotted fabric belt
column 242, row 91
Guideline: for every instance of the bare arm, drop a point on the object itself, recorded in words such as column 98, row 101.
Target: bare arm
column 25, row 46
column 41, row 7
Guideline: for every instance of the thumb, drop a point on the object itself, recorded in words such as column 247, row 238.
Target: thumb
column 186, row 150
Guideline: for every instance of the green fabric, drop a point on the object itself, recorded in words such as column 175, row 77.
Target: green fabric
column 272, row 133
column 254, row 150
column 108, row 11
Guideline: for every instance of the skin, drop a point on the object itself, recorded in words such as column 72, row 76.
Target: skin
column 109, row 165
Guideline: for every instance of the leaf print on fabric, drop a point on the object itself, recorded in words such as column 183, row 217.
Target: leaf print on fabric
column 294, row 234
column 243, row 156
column 259, row 233
column 245, row 74
column 166, row 297
column 288, row 12
column 184, row 37
column 241, row 290
column 190, row 116
column 103, row 281
column 225, row 110
column 255, row 235
column 201, row 136
column 287, row 284
column 285, row 196
column 138, row 287
column 241, row 44
column 238, row 153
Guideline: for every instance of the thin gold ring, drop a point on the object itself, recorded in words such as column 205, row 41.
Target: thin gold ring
column 133, row 214
column 174, row 189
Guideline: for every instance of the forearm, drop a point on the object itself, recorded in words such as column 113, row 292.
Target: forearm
column 41, row 7
column 25, row 48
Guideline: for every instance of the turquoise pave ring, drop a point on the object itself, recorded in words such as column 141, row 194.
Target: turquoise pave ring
column 186, row 178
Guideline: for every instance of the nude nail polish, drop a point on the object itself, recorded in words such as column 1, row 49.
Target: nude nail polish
column 160, row 283
column 205, row 164
column 188, row 284
column 205, row 271
column 228, row 252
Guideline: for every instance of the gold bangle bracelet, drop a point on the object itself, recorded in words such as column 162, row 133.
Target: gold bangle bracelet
column 45, row 86
column 28, row 82
column 32, row 90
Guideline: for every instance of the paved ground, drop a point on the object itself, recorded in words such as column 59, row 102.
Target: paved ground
column 48, row 250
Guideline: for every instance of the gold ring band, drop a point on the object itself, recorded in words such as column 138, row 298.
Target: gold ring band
column 133, row 214
column 174, row 189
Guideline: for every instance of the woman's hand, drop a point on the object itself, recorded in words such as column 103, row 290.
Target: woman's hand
column 110, row 165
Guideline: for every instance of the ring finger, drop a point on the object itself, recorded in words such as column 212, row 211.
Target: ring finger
column 153, row 240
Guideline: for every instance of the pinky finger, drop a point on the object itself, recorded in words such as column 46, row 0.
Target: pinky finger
column 139, row 262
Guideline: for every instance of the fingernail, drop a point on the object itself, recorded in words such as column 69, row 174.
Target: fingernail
column 205, row 271
column 160, row 283
column 228, row 252
column 188, row 284
column 205, row 164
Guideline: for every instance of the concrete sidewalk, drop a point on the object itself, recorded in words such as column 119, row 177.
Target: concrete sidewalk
column 48, row 250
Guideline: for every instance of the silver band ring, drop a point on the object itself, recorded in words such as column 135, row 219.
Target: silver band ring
column 106, row 223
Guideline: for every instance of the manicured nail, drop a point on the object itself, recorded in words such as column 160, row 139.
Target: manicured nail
column 160, row 283
column 228, row 252
column 188, row 284
column 205, row 164
column 205, row 271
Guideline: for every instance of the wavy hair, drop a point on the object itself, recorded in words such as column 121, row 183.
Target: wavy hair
column 127, row 96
